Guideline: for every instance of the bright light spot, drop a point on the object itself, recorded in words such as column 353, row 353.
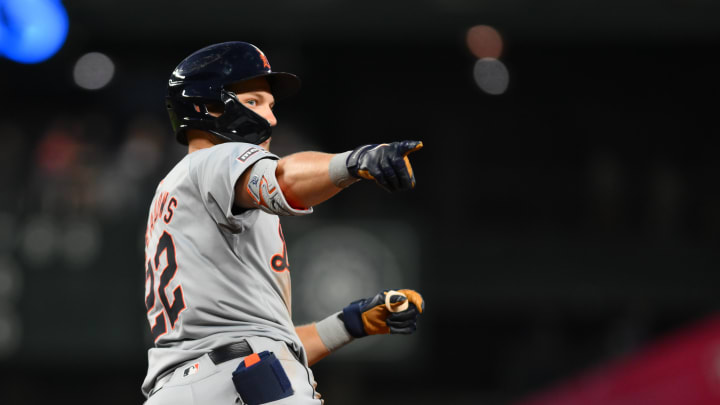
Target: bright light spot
column 484, row 41
column 32, row 31
column 491, row 76
column 93, row 71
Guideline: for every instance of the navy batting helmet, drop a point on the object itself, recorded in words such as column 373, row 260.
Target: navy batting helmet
column 200, row 79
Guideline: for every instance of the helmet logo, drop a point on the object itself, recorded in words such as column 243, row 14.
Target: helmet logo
column 266, row 64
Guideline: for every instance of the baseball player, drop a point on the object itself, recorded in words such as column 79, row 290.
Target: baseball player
column 218, row 293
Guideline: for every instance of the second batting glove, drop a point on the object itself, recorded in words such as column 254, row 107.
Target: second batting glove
column 370, row 316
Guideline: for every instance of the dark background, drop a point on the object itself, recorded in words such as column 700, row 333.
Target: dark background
column 570, row 221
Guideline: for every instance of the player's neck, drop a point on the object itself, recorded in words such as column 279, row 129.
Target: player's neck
column 198, row 140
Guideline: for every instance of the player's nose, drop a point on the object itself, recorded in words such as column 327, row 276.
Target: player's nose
column 270, row 117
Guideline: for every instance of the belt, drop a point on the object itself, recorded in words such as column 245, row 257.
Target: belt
column 230, row 351
column 218, row 355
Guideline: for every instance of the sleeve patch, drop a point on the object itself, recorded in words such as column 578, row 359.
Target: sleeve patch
column 246, row 155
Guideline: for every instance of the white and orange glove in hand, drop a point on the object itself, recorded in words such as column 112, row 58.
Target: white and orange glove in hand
column 371, row 316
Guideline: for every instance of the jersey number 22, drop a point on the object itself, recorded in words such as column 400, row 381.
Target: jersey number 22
column 170, row 311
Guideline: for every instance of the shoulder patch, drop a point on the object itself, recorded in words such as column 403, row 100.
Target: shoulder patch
column 246, row 155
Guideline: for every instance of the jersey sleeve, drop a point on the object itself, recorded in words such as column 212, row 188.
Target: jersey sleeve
column 216, row 170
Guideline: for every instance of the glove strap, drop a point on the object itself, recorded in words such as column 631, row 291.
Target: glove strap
column 332, row 332
column 352, row 318
column 338, row 170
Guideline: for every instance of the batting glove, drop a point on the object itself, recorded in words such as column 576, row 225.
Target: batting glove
column 385, row 163
column 370, row 316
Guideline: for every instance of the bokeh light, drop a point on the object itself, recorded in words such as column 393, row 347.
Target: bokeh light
column 491, row 76
column 32, row 31
column 484, row 41
column 93, row 71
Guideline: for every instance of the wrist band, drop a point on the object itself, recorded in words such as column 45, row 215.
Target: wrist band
column 332, row 332
column 338, row 170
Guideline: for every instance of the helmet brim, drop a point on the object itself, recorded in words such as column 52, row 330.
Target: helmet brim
column 282, row 84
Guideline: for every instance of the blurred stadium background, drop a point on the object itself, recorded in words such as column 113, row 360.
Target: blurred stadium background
column 564, row 230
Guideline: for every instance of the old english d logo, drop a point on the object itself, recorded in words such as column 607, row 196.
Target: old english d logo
column 266, row 64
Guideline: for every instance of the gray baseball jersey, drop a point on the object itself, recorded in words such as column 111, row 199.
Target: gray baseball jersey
column 213, row 275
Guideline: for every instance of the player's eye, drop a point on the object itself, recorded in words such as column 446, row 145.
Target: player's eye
column 251, row 102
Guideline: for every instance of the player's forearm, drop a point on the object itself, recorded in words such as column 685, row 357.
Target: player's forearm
column 314, row 347
column 304, row 178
